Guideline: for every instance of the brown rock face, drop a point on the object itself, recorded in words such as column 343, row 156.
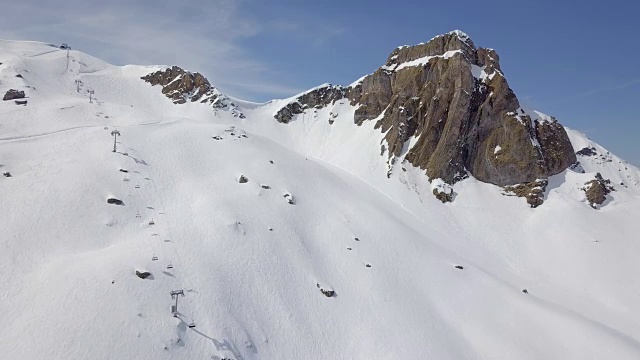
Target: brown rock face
column 597, row 190
column 455, row 99
column 532, row 191
column 181, row 86
column 316, row 98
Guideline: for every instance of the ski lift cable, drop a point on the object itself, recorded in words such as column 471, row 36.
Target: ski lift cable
column 163, row 225
column 150, row 242
column 166, row 223
column 160, row 196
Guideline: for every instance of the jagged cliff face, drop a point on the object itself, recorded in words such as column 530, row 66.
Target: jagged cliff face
column 454, row 98
column 446, row 95
column 182, row 86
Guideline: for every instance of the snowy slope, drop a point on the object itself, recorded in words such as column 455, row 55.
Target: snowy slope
column 70, row 258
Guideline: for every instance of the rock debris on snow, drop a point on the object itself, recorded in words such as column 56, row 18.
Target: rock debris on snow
column 142, row 274
column 115, row 201
column 289, row 198
column 13, row 94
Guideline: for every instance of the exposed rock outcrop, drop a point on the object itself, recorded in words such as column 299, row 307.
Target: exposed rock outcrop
column 455, row 99
column 13, row 94
column 142, row 274
column 314, row 98
column 532, row 191
column 597, row 189
column 182, row 86
column 587, row 151
column 115, row 201
column 442, row 191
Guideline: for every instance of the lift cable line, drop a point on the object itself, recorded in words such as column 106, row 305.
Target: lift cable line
column 175, row 294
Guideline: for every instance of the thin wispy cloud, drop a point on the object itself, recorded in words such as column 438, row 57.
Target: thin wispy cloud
column 198, row 35
column 313, row 31
column 600, row 90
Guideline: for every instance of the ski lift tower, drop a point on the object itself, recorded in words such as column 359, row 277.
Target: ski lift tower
column 175, row 294
column 66, row 47
column 115, row 134
column 91, row 92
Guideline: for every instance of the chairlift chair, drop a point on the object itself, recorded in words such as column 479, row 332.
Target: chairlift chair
column 151, row 222
column 154, row 258
column 169, row 266
column 137, row 186
column 192, row 325
column 138, row 216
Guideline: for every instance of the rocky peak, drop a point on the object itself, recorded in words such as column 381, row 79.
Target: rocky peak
column 317, row 97
column 455, row 101
column 452, row 42
column 182, row 86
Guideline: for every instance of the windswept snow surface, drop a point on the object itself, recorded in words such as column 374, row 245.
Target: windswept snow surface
column 251, row 264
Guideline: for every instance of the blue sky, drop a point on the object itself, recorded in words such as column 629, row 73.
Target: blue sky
column 573, row 60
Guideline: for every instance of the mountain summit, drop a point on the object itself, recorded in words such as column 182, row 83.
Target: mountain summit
column 445, row 106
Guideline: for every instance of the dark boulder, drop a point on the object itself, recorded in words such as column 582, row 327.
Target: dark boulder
column 443, row 196
column 143, row 274
column 289, row 199
column 13, row 94
column 243, row 179
column 328, row 293
column 597, row 190
column 115, row 201
column 6, row 174
column 587, row 151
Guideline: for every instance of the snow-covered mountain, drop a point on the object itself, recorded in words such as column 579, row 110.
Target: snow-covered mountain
column 299, row 239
